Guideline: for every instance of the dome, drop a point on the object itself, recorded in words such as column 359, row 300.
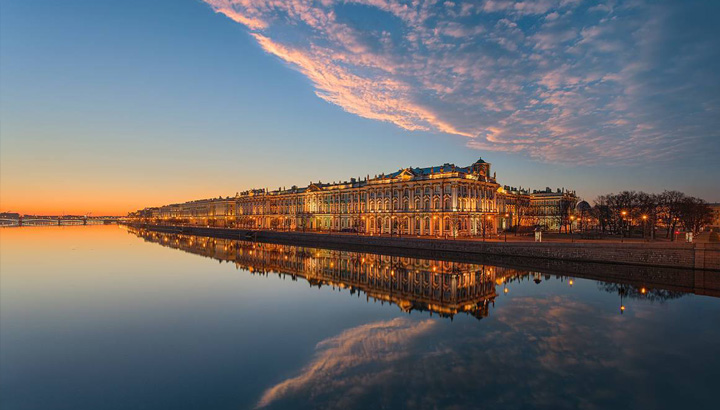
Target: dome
column 583, row 206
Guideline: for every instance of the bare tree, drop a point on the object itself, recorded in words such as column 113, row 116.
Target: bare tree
column 670, row 204
column 523, row 212
column 694, row 213
column 601, row 212
column 563, row 211
column 620, row 212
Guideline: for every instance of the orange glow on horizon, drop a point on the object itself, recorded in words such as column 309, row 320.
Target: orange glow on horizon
column 76, row 202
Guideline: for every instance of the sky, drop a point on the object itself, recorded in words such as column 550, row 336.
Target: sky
column 107, row 107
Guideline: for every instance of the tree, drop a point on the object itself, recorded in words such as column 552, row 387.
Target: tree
column 601, row 212
column 648, row 207
column 694, row 213
column 522, row 211
column 620, row 212
column 670, row 203
column 564, row 209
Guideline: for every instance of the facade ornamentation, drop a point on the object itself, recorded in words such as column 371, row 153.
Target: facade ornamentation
column 444, row 200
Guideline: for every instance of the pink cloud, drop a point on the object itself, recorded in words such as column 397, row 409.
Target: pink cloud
column 559, row 90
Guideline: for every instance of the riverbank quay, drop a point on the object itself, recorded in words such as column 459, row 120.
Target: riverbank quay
column 696, row 256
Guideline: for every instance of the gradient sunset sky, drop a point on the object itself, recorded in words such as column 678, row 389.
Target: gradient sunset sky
column 111, row 106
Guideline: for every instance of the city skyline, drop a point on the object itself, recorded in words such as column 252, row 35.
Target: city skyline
column 204, row 99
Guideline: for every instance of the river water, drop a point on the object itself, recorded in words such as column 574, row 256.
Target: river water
column 108, row 317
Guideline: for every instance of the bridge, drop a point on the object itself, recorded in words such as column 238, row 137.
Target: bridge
column 58, row 220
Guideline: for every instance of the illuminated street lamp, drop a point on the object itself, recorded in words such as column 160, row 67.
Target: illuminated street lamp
column 644, row 219
column 485, row 224
column 622, row 223
column 506, row 217
column 572, row 219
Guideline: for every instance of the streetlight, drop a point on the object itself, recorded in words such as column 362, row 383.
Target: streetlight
column 644, row 219
column 485, row 224
column 572, row 218
column 506, row 217
column 622, row 223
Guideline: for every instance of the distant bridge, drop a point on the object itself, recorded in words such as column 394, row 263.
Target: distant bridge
column 57, row 220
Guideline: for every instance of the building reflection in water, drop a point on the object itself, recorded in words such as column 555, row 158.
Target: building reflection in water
column 440, row 287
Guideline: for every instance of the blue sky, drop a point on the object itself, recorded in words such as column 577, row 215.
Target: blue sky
column 110, row 106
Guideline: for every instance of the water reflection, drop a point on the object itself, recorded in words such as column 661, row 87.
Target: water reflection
column 441, row 287
column 95, row 318
column 353, row 358
column 413, row 284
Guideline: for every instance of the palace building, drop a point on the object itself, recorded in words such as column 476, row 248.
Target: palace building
column 444, row 200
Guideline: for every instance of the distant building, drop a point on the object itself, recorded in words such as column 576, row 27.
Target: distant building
column 715, row 223
column 552, row 209
column 514, row 206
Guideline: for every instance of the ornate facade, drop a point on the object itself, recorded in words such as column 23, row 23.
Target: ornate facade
column 444, row 200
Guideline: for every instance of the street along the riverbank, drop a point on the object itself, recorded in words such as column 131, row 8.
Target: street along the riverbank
column 698, row 256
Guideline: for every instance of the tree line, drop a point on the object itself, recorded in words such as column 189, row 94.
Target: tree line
column 671, row 210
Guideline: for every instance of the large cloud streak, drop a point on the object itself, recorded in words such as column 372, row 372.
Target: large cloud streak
column 557, row 80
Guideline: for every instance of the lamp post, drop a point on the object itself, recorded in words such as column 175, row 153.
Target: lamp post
column 622, row 225
column 485, row 225
column 572, row 219
column 644, row 219
column 506, row 217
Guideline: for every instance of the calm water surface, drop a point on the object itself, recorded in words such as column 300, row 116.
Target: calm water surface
column 101, row 317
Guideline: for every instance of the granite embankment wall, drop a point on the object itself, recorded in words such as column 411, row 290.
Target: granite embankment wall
column 702, row 256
